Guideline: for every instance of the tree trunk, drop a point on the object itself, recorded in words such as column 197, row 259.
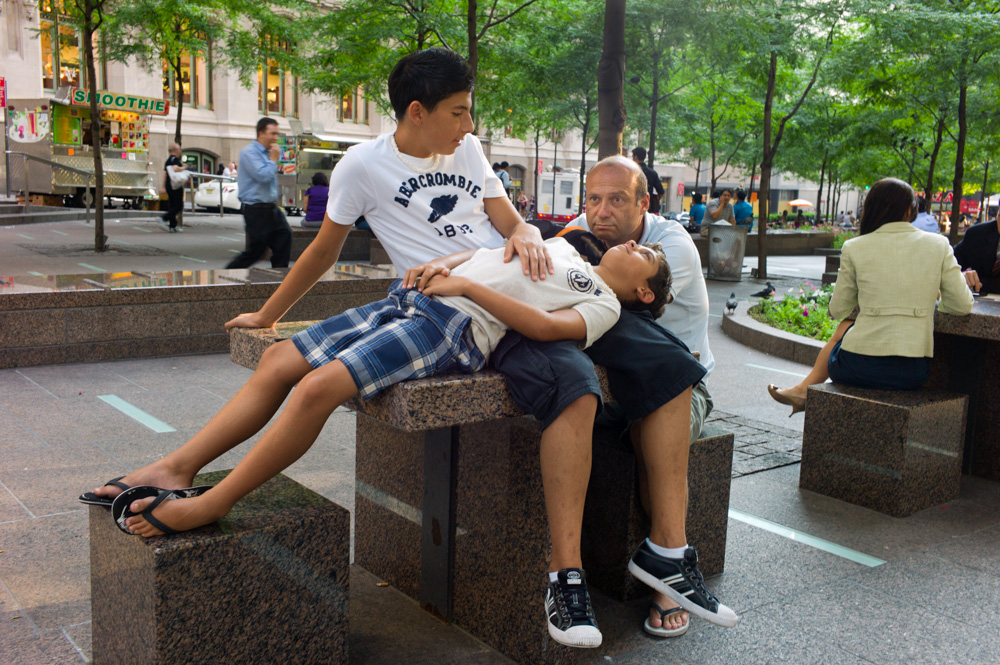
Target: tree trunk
column 711, row 147
column 538, row 137
column 611, row 82
column 819, row 195
column 982, row 198
column 583, row 160
column 765, row 170
column 654, row 109
column 697, row 176
column 100, row 240
column 471, row 18
column 956, row 187
column 929, row 190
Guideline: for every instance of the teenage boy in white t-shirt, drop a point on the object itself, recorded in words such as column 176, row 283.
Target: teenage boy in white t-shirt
column 409, row 206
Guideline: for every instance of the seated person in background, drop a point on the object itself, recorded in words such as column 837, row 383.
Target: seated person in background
column 743, row 211
column 924, row 220
column 979, row 256
column 890, row 275
column 230, row 171
column 719, row 209
column 314, row 201
column 452, row 326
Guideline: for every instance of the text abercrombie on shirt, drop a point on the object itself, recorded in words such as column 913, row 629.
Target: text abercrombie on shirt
column 417, row 217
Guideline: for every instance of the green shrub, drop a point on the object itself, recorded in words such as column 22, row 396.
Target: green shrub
column 804, row 313
column 841, row 238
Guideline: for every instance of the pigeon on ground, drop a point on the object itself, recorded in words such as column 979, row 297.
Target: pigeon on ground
column 766, row 292
column 731, row 303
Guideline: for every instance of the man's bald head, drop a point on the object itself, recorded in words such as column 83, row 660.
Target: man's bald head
column 174, row 148
column 626, row 165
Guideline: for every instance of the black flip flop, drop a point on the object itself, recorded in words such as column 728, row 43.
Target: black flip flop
column 92, row 499
column 667, row 632
column 120, row 510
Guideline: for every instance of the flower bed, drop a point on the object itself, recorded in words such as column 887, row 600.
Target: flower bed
column 802, row 313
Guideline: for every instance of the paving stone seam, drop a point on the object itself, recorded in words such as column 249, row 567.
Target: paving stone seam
column 79, row 651
column 19, row 502
column 22, row 374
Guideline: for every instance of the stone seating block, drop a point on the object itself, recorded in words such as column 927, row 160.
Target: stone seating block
column 266, row 584
column 832, row 263
column 830, row 277
column 896, row 452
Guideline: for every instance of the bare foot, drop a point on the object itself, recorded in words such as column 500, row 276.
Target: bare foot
column 156, row 474
column 795, row 392
column 672, row 621
column 178, row 514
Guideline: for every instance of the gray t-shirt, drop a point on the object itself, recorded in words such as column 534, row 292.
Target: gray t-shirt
column 727, row 214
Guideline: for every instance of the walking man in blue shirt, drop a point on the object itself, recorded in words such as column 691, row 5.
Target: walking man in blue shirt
column 257, row 178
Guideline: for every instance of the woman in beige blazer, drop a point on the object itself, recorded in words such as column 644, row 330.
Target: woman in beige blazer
column 889, row 280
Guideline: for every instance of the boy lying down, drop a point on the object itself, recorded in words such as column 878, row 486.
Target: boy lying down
column 451, row 326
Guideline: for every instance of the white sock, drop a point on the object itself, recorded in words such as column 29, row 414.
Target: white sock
column 669, row 552
column 554, row 577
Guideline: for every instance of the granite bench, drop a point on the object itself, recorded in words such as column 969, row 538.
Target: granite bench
column 357, row 247
column 896, row 452
column 266, row 584
column 449, row 506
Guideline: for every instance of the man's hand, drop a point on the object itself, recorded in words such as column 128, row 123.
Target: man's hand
column 972, row 279
column 275, row 152
column 527, row 242
column 417, row 277
column 249, row 320
column 442, row 285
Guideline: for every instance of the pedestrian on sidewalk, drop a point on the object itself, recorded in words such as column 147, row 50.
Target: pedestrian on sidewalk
column 257, row 178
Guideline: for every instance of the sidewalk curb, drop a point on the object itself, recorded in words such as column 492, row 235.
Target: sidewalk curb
column 747, row 331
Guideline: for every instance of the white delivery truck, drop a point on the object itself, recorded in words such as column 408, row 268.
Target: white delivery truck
column 558, row 196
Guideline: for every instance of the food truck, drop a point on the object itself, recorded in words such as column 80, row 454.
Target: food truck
column 303, row 154
column 558, row 196
column 58, row 131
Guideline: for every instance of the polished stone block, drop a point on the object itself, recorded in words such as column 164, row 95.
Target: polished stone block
column 896, row 452
column 614, row 522
column 266, row 584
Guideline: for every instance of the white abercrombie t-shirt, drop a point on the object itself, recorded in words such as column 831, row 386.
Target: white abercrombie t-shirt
column 417, row 216
column 574, row 285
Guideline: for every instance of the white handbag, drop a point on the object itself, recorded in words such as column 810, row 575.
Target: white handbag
column 178, row 178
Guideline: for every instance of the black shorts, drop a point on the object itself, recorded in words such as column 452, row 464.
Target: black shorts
column 647, row 367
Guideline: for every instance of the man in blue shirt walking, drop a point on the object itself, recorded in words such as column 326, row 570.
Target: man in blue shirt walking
column 257, row 178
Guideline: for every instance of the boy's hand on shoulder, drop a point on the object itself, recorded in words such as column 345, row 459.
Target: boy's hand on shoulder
column 417, row 277
column 249, row 320
column 441, row 285
column 527, row 243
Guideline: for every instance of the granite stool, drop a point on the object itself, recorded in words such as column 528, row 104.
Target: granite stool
column 896, row 452
column 266, row 584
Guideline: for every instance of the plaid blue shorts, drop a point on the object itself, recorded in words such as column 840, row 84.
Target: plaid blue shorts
column 406, row 336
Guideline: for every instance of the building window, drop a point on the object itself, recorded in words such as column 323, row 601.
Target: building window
column 353, row 107
column 60, row 48
column 196, row 80
column 278, row 88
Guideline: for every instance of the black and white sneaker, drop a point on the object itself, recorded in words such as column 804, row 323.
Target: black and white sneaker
column 681, row 580
column 571, row 617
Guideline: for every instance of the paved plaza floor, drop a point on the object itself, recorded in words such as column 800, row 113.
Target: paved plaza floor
column 815, row 580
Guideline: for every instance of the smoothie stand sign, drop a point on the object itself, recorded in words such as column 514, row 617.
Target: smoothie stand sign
column 120, row 102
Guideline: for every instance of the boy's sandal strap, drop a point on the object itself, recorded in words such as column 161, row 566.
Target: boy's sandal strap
column 665, row 613
column 148, row 513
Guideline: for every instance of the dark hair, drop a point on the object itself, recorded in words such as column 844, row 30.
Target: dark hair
column 696, row 198
column 320, row 179
column 496, row 166
column 725, row 189
column 220, row 169
column 659, row 284
column 264, row 123
column 428, row 76
column 639, row 152
column 921, row 204
column 716, row 193
column 504, row 165
column 889, row 200
column 741, row 195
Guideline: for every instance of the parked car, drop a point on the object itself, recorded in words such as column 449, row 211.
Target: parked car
column 207, row 196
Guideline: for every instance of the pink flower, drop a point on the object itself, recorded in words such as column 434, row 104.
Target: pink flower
column 805, row 311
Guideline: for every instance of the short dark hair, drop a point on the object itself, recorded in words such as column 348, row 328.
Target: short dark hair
column 428, row 76
column 264, row 123
column 320, row 180
column 639, row 152
column 659, row 284
column 741, row 195
column 921, row 204
column 496, row 166
column 696, row 197
column 725, row 189
column 504, row 165
column 888, row 200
